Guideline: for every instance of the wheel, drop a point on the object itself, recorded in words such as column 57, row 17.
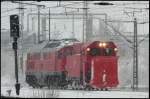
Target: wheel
column 101, row 89
column 40, row 86
column 48, row 82
column 105, row 89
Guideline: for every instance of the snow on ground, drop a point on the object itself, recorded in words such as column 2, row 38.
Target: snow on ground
column 46, row 93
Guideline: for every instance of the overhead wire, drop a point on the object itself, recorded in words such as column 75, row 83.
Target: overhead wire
column 64, row 6
column 13, row 9
column 44, row 8
column 37, row 9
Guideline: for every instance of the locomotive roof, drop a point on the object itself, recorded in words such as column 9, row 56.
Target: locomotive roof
column 55, row 45
column 85, row 45
column 52, row 45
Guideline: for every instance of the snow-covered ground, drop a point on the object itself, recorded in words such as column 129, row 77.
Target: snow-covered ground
column 46, row 93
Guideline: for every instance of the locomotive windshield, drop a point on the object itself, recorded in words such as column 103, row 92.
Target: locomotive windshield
column 108, row 51
column 95, row 52
column 100, row 51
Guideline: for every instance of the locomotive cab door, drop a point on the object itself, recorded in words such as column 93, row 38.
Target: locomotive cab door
column 88, row 75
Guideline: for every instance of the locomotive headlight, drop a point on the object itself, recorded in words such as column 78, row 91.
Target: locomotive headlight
column 100, row 44
column 88, row 49
column 115, row 49
column 104, row 44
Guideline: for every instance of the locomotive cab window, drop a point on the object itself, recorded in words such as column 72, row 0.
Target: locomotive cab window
column 108, row 51
column 95, row 52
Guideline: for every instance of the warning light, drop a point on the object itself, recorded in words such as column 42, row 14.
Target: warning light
column 88, row 49
column 104, row 44
column 100, row 44
column 115, row 49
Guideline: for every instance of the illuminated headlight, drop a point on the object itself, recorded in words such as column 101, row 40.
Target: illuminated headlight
column 115, row 49
column 88, row 49
column 100, row 44
column 104, row 44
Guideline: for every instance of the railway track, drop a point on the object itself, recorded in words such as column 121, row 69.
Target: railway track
column 45, row 92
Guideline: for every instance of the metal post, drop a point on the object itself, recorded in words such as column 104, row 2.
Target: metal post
column 73, row 36
column 33, row 24
column 38, row 24
column 16, row 61
column 49, row 26
column 28, row 23
column 83, row 30
column 17, row 85
column 83, row 24
column 135, row 57
column 105, row 23
column 84, row 19
column 21, row 10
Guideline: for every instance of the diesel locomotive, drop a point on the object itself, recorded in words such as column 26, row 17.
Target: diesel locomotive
column 79, row 65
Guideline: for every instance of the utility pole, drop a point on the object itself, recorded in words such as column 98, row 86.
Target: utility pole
column 83, row 24
column 21, row 12
column 86, row 19
column 49, row 26
column 135, row 53
column 73, row 36
column 85, row 16
column 38, row 24
column 135, row 57
column 83, row 39
column 17, row 85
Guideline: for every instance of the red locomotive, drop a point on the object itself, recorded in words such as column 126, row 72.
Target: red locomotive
column 80, row 65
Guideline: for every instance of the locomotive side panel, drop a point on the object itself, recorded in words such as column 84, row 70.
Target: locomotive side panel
column 32, row 62
column 51, row 62
column 48, row 66
column 29, row 65
column 38, row 66
column 60, row 64
column 73, row 65
column 48, row 62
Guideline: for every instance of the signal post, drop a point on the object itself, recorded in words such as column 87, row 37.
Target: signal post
column 14, row 32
